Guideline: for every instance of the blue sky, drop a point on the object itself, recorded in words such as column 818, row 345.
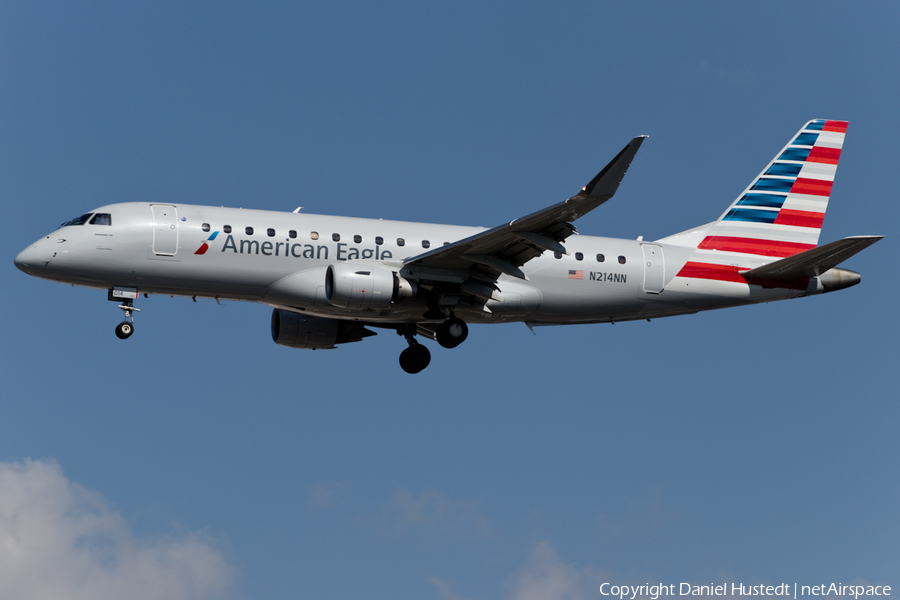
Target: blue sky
column 198, row 459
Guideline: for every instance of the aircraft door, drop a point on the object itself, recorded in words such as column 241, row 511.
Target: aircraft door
column 165, row 229
column 654, row 268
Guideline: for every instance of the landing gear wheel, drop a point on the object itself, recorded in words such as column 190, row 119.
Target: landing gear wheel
column 415, row 358
column 126, row 327
column 452, row 332
column 124, row 330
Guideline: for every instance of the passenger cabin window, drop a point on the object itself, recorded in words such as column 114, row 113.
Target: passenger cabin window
column 79, row 221
column 426, row 244
column 292, row 234
column 313, row 235
column 205, row 227
column 336, row 237
column 270, row 232
column 600, row 258
column 101, row 219
column 357, row 239
column 557, row 255
column 248, row 230
column 401, row 242
column 227, row 229
column 379, row 240
column 579, row 256
column 621, row 260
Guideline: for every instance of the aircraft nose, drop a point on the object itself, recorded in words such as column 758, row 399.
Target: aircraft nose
column 27, row 259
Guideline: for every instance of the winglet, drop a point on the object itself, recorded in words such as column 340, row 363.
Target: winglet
column 607, row 181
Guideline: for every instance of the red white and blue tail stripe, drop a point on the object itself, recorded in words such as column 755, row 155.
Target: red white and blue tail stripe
column 781, row 211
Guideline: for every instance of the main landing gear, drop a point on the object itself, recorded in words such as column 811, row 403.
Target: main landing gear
column 415, row 358
column 449, row 334
column 452, row 332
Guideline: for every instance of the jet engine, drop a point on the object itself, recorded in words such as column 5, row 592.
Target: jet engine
column 359, row 285
column 314, row 333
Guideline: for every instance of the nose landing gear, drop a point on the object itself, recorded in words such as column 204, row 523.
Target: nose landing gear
column 127, row 296
column 124, row 330
column 126, row 327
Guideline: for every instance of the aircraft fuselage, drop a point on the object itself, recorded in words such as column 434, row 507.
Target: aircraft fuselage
column 253, row 257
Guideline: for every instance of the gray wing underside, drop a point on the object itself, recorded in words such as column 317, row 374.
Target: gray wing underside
column 477, row 261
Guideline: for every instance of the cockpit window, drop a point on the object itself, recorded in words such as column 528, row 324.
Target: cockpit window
column 101, row 219
column 79, row 221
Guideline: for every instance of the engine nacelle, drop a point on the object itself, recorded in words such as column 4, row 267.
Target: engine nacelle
column 314, row 333
column 837, row 279
column 360, row 285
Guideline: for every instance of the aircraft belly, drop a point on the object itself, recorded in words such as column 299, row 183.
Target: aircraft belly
column 715, row 294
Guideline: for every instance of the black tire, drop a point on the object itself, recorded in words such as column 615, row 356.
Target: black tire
column 124, row 330
column 452, row 332
column 415, row 358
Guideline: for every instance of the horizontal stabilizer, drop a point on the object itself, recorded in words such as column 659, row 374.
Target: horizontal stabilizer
column 813, row 262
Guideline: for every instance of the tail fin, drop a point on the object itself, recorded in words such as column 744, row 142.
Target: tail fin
column 781, row 212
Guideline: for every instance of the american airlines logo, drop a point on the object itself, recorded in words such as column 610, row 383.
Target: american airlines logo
column 202, row 249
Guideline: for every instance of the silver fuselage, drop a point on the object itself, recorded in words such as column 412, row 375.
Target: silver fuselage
column 159, row 249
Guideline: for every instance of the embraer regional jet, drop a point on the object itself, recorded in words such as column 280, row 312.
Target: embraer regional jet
column 330, row 279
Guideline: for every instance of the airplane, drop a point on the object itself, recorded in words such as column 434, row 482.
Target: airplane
column 330, row 280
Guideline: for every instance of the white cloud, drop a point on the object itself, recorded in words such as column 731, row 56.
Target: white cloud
column 432, row 513
column 59, row 540
column 545, row 577
column 324, row 495
column 444, row 589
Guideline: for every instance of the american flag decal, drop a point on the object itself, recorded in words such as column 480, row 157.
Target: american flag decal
column 576, row 274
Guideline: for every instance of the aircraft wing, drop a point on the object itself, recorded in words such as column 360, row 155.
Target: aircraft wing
column 507, row 247
column 813, row 262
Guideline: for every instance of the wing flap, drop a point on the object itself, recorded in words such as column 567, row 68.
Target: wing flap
column 497, row 264
column 542, row 242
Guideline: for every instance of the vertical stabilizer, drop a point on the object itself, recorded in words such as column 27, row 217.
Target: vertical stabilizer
column 781, row 212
